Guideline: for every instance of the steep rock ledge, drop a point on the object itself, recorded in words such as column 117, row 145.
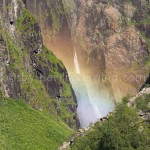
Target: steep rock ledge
column 29, row 70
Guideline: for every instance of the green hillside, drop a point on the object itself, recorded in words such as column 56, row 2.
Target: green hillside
column 124, row 130
column 23, row 128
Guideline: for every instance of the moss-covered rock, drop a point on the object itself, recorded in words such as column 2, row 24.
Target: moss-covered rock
column 32, row 72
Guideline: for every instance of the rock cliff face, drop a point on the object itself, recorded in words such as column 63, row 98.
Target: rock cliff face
column 29, row 71
column 107, row 36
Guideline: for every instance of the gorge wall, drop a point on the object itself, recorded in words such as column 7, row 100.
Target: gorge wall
column 109, row 41
column 103, row 47
column 102, row 44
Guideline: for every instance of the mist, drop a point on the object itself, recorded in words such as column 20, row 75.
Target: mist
column 94, row 102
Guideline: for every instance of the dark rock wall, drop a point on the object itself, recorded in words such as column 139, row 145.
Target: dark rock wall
column 29, row 71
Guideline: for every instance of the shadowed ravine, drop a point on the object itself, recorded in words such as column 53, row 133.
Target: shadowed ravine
column 74, row 74
column 94, row 98
column 81, row 35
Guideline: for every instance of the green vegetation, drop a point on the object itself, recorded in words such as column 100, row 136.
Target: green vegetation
column 143, row 103
column 32, row 89
column 57, row 70
column 22, row 127
column 26, row 21
column 57, row 14
column 123, row 131
column 55, row 20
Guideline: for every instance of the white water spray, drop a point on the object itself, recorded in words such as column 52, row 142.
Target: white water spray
column 76, row 63
column 93, row 102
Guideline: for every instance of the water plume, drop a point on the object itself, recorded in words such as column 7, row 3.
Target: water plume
column 93, row 102
column 76, row 63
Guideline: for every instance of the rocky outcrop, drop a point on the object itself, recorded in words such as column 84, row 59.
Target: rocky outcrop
column 141, row 102
column 29, row 71
column 132, row 101
column 105, row 35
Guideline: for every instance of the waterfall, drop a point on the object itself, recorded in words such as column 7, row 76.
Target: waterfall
column 76, row 63
column 93, row 102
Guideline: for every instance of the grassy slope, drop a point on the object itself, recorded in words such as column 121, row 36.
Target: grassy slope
column 22, row 127
column 32, row 87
